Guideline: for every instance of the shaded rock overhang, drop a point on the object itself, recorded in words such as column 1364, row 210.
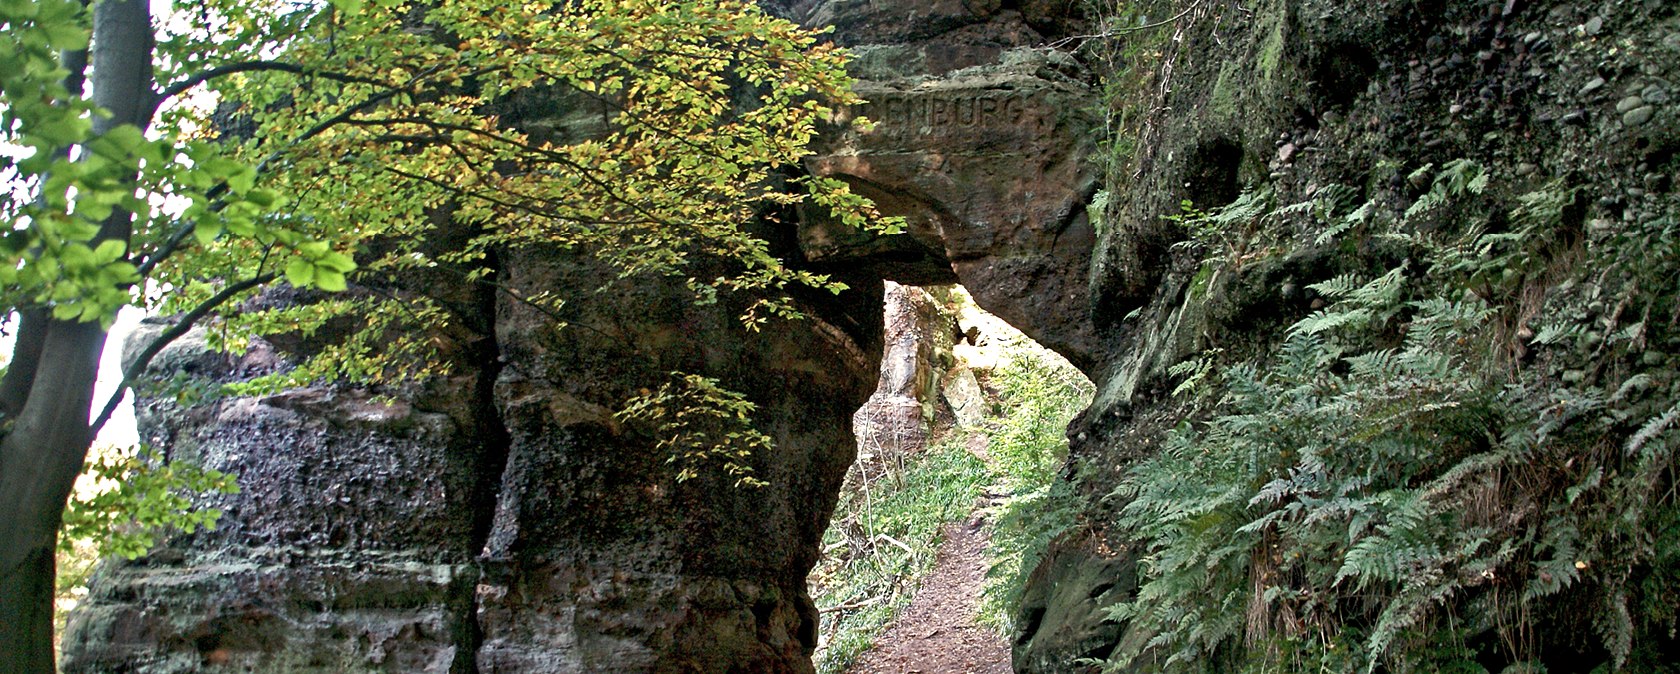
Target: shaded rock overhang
column 981, row 138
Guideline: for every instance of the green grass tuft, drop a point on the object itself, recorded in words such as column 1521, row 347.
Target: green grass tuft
column 865, row 568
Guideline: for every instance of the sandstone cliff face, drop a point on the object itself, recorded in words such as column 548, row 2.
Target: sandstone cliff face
column 349, row 548
column 898, row 419
column 503, row 520
column 596, row 558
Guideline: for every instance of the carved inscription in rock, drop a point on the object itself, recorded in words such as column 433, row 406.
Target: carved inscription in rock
column 899, row 115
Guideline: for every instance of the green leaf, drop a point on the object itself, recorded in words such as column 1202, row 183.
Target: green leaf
column 221, row 167
column 78, row 256
column 243, row 180
column 300, row 273
column 337, row 262
column 126, row 138
column 122, row 272
column 18, row 9
column 94, row 209
column 264, row 198
column 109, row 251
column 328, row 280
column 207, row 230
column 241, row 226
column 66, row 37
column 61, row 131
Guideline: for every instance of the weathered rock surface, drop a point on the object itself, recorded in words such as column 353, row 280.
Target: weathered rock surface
column 898, row 419
column 1059, row 627
column 349, row 547
column 934, row 37
column 597, row 559
column 982, row 142
column 503, row 520
column 967, row 399
column 989, row 167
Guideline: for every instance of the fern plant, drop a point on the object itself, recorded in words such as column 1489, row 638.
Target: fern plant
column 1391, row 491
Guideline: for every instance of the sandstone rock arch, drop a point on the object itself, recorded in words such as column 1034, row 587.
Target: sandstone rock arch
column 502, row 521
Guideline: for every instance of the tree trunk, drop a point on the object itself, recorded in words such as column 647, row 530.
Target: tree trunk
column 21, row 605
column 39, row 461
column 46, row 445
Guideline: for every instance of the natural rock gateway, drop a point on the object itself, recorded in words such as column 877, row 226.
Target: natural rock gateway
column 1242, row 220
column 503, row 520
column 989, row 165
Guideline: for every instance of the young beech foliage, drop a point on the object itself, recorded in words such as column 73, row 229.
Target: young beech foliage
column 183, row 163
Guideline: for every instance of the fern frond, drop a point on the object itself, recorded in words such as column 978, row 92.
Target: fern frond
column 1337, row 287
column 1652, row 428
column 1325, row 320
column 1376, row 366
column 1558, row 333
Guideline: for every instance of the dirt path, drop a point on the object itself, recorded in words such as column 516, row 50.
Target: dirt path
column 938, row 634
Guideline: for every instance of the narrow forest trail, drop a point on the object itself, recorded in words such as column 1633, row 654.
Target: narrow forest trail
column 940, row 632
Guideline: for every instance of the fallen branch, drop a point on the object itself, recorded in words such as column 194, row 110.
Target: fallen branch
column 896, row 542
column 851, row 605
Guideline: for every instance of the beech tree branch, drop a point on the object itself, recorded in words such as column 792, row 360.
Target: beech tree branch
column 179, row 236
column 196, row 79
column 181, row 327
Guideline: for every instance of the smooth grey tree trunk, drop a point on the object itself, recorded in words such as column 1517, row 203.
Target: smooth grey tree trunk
column 43, row 451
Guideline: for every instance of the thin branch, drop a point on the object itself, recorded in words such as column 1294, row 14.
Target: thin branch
column 907, row 549
column 540, row 206
column 174, row 241
column 180, row 234
column 519, row 297
column 582, row 172
column 1122, row 31
column 182, row 86
column 181, row 327
column 852, row 604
